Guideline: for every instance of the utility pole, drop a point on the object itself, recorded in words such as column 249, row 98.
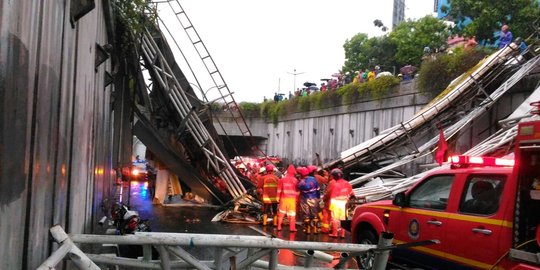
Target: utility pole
column 294, row 73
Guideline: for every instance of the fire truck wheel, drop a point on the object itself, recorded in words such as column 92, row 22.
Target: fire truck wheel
column 369, row 237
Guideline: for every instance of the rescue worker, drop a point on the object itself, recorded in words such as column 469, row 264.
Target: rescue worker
column 255, row 177
column 267, row 187
column 326, row 218
column 322, row 180
column 309, row 199
column 288, row 194
column 339, row 193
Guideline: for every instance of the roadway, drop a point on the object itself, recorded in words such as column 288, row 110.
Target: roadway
column 189, row 218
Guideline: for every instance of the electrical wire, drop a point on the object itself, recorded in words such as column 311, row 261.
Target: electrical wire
column 506, row 253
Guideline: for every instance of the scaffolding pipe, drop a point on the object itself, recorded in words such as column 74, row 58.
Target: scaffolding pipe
column 168, row 245
column 319, row 255
column 75, row 254
column 215, row 240
column 381, row 257
column 136, row 263
column 218, row 255
column 187, row 257
column 309, row 259
column 56, row 257
column 254, row 257
column 273, row 261
column 164, row 256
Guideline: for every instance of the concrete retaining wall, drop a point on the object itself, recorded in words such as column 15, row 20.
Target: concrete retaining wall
column 297, row 137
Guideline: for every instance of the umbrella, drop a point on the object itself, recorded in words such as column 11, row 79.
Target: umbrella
column 308, row 84
column 336, row 75
column 384, row 73
column 326, row 80
column 407, row 70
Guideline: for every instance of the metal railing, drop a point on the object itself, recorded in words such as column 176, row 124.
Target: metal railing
column 230, row 251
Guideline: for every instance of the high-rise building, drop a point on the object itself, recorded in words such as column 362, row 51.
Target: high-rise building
column 437, row 8
column 398, row 14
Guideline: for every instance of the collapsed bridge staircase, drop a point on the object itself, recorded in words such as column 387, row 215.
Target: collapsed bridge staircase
column 498, row 144
column 417, row 139
column 175, row 123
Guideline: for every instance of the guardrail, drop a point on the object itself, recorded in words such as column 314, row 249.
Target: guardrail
column 230, row 251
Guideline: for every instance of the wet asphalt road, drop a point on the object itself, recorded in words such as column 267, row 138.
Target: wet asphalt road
column 197, row 219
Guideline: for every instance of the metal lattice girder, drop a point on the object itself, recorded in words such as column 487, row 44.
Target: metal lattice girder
column 365, row 150
column 500, row 139
column 504, row 136
column 163, row 74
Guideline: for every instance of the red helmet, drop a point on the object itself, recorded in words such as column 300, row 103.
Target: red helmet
column 269, row 168
column 312, row 168
column 336, row 173
column 303, row 171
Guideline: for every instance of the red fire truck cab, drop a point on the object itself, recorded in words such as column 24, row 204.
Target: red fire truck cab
column 484, row 211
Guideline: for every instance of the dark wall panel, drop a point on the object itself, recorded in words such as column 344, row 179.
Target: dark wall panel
column 55, row 137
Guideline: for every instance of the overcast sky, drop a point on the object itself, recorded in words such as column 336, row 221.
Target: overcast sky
column 256, row 45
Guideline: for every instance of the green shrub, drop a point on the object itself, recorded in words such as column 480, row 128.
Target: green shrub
column 436, row 73
column 382, row 86
column 216, row 107
column 317, row 101
column 349, row 93
column 265, row 109
column 250, row 109
column 304, row 104
column 276, row 111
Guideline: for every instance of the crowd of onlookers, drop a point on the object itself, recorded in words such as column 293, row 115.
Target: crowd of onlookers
column 406, row 72
column 340, row 79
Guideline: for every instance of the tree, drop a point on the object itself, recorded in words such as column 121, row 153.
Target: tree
column 487, row 17
column 355, row 56
column 362, row 53
column 411, row 37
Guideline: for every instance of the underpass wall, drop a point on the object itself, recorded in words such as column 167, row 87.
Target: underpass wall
column 55, row 111
column 299, row 136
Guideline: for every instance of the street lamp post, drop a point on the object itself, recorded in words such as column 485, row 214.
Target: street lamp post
column 294, row 73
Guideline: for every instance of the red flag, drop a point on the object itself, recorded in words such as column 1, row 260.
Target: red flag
column 442, row 147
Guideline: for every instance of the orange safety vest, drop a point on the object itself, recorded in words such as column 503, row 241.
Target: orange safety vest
column 269, row 188
column 340, row 190
column 287, row 187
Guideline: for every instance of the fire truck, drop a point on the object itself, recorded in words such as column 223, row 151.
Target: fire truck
column 484, row 211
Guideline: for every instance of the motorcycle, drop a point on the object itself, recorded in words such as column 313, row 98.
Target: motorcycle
column 128, row 221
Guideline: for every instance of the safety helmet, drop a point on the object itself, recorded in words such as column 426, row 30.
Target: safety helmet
column 303, row 171
column 312, row 168
column 262, row 170
column 337, row 173
column 269, row 168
